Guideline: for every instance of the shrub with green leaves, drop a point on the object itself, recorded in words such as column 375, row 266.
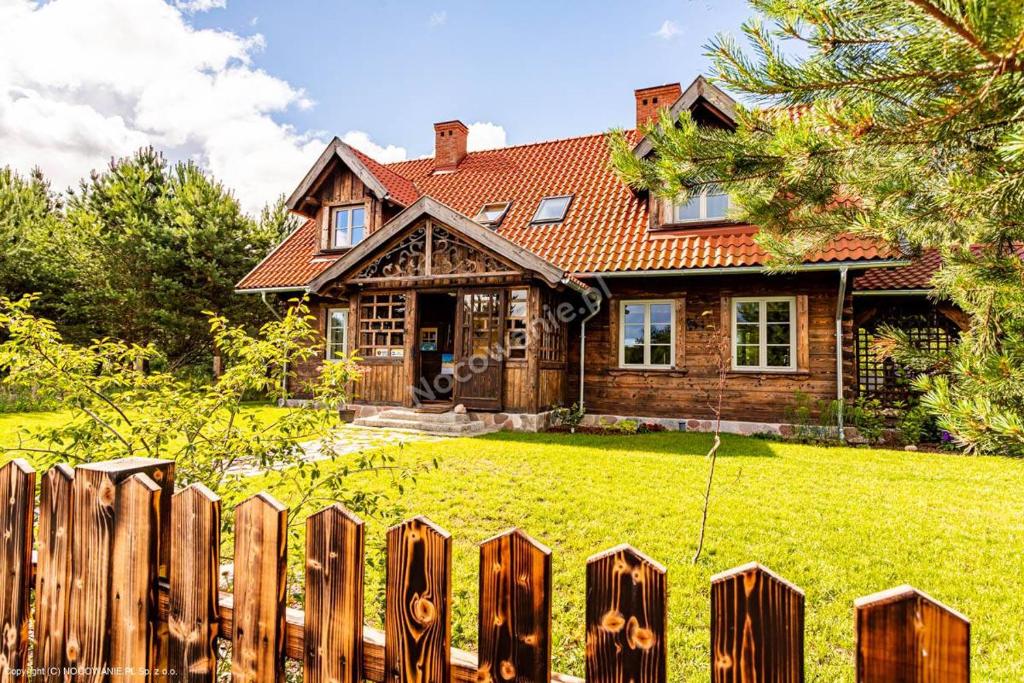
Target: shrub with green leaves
column 122, row 405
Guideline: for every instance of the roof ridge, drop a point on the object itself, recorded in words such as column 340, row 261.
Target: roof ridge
column 537, row 143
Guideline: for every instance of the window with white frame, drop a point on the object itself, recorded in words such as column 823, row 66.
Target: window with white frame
column 646, row 334
column 764, row 333
column 337, row 333
column 704, row 206
column 348, row 225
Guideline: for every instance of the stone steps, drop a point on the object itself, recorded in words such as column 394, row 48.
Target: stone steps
column 447, row 424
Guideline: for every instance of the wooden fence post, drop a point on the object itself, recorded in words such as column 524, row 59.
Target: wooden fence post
column 257, row 640
column 417, row 613
column 53, row 574
column 133, row 608
column 334, row 597
column 95, row 524
column 757, row 627
column 193, row 617
column 626, row 615
column 17, row 502
column 904, row 635
column 515, row 610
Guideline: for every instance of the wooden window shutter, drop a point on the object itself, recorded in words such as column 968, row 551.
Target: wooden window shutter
column 803, row 345
column 725, row 329
column 325, row 227
column 614, row 333
column 680, row 359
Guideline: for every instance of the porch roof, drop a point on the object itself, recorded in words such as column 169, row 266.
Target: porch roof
column 451, row 220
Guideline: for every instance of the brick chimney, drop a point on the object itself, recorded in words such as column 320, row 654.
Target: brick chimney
column 449, row 144
column 649, row 101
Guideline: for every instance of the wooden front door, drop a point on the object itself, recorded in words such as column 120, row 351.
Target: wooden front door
column 478, row 347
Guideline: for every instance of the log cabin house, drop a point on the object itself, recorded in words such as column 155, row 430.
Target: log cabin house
column 517, row 279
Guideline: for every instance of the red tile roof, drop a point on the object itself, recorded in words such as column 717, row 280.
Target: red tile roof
column 401, row 188
column 605, row 229
column 917, row 275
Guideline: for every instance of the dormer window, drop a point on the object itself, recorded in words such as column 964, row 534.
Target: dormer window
column 706, row 206
column 492, row 214
column 348, row 226
column 552, row 209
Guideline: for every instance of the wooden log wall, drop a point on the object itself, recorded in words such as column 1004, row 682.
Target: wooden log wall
column 100, row 533
column 383, row 382
column 684, row 390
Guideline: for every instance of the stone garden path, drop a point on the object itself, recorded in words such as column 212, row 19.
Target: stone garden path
column 352, row 439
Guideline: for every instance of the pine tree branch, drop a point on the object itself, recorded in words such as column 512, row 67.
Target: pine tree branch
column 959, row 29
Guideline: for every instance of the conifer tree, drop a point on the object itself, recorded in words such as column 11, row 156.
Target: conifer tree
column 897, row 120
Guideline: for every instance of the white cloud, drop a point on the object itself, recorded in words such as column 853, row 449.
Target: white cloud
column 193, row 6
column 362, row 142
column 119, row 74
column 669, row 30
column 438, row 19
column 485, row 135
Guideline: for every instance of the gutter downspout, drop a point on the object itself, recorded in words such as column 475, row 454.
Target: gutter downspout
column 284, row 367
column 840, row 300
column 583, row 341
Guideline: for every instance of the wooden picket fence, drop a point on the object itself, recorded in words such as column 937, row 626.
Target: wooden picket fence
column 126, row 588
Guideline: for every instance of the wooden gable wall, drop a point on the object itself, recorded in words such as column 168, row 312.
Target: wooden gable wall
column 339, row 186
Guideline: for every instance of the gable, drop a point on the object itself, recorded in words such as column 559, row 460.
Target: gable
column 380, row 182
column 429, row 249
column 431, row 240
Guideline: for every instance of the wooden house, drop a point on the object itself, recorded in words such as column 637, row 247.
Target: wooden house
column 517, row 279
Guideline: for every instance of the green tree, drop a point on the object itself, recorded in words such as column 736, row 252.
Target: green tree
column 900, row 120
column 152, row 246
column 30, row 216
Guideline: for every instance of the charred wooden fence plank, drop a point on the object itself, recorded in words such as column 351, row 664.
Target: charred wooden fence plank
column 515, row 610
column 904, row 635
column 135, row 549
column 17, row 495
column 257, row 643
column 53, row 574
column 334, row 597
column 193, row 619
column 757, row 627
column 417, row 613
column 626, row 616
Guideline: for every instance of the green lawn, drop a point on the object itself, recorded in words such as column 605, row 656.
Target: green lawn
column 840, row 523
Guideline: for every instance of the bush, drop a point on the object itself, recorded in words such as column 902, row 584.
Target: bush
column 568, row 417
column 917, row 425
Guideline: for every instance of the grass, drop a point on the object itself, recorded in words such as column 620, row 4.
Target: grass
column 840, row 523
column 14, row 424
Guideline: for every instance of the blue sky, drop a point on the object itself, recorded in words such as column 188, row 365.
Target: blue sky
column 252, row 90
column 538, row 69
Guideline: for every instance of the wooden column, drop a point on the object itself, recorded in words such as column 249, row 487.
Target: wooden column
column 97, row 539
column 533, row 341
column 409, row 362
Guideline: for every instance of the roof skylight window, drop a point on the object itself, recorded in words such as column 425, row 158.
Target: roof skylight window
column 552, row 209
column 492, row 214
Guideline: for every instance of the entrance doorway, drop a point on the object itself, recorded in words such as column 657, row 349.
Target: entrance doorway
column 435, row 346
